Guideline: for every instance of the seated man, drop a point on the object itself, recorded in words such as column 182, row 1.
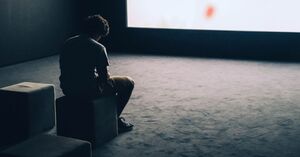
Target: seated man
column 84, row 68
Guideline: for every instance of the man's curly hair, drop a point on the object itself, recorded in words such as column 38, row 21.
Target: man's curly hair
column 96, row 25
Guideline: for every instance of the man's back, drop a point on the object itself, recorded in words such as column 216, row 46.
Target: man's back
column 78, row 59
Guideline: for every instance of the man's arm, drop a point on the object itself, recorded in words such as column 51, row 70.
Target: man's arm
column 103, row 77
column 103, row 74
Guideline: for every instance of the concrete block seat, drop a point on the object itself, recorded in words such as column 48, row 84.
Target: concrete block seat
column 45, row 145
column 26, row 109
column 91, row 120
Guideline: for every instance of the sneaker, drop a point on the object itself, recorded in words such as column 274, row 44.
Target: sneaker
column 124, row 126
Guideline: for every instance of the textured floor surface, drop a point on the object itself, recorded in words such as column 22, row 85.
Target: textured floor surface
column 192, row 107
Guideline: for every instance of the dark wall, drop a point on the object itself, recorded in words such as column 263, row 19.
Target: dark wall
column 248, row 45
column 33, row 28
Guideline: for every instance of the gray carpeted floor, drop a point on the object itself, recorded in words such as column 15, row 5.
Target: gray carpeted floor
column 190, row 107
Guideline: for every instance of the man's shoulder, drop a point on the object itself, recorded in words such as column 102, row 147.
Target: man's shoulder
column 84, row 41
column 73, row 38
column 96, row 44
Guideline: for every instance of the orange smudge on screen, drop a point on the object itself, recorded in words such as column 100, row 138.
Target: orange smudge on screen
column 210, row 11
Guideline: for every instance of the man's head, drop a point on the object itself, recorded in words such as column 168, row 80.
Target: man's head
column 96, row 26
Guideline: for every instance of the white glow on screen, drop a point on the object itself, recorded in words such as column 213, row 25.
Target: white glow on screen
column 235, row 15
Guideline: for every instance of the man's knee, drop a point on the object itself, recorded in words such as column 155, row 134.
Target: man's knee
column 123, row 82
column 131, row 82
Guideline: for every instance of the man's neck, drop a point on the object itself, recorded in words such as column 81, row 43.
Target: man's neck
column 97, row 38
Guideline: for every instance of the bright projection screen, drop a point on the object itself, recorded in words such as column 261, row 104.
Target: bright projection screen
column 225, row 15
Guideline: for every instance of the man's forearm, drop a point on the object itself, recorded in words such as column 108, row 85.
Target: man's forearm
column 103, row 75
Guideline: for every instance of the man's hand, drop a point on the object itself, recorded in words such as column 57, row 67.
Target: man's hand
column 107, row 88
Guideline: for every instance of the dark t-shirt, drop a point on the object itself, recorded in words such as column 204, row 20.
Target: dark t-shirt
column 78, row 60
